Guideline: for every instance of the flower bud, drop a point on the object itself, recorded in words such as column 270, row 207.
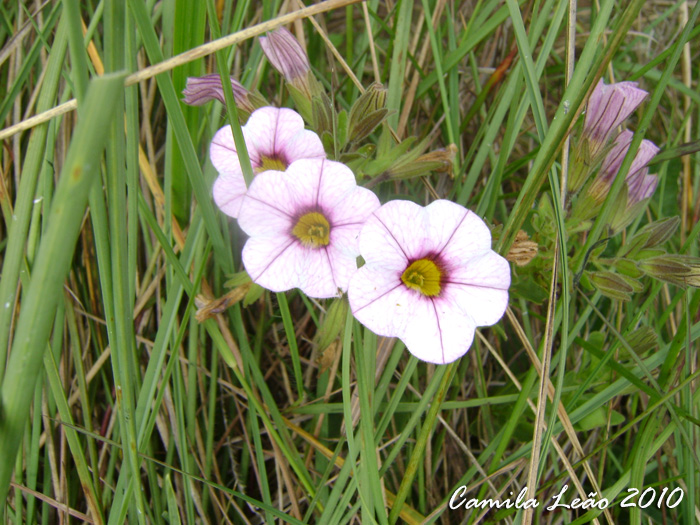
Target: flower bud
column 285, row 54
column 681, row 270
column 608, row 107
column 615, row 286
column 288, row 57
column 367, row 112
column 439, row 160
column 200, row 90
column 660, row 231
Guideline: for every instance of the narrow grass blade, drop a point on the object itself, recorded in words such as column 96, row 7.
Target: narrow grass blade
column 52, row 265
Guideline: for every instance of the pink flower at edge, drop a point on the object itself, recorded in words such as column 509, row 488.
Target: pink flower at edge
column 303, row 226
column 608, row 106
column 430, row 278
column 274, row 137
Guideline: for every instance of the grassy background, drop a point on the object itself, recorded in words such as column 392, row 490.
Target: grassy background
column 119, row 404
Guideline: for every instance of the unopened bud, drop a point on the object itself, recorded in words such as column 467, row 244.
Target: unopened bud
column 367, row 112
column 608, row 106
column 681, row 270
column 439, row 160
column 615, row 286
column 200, row 90
column 287, row 56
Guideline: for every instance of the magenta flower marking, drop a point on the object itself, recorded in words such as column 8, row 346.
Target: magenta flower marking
column 303, row 226
column 274, row 137
column 430, row 278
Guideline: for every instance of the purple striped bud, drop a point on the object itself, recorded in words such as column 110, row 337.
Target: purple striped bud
column 288, row 57
column 608, row 107
column 285, row 54
column 200, row 90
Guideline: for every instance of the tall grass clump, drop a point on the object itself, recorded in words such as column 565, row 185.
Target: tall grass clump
column 349, row 262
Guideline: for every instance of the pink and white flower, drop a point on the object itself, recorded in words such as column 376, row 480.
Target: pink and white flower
column 430, row 278
column 274, row 137
column 303, row 226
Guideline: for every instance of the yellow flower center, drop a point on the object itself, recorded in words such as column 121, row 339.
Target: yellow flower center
column 271, row 163
column 313, row 230
column 424, row 276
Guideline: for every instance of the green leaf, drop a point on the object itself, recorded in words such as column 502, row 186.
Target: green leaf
column 52, row 264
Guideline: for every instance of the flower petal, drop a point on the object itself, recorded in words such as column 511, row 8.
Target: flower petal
column 455, row 232
column 229, row 190
column 342, row 252
column 268, row 130
column 305, row 144
column 285, row 53
column 273, row 207
column 608, row 107
column 439, row 333
column 273, row 262
column 482, row 281
column 273, row 202
column 438, row 326
column 380, row 301
column 317, row 276
column 394, row 234
column 223, row 153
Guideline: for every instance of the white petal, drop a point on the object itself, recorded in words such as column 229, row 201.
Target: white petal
column 260, row 217
column 316, row 276
column 439, row 333
column 355, row 207
column 458, row 234
column 228, row 191
column 275, row 194
column 335, row 180
column 223, row 153
column 273, row 263
column 380, row 301
column 343, row 251
column 480, row 288
column 268, row 129
column 406, row 227
column 433, row 329
column 305, row 144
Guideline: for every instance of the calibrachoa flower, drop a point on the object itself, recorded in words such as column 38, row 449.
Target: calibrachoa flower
column 274, row 137
column 608, row 107
column 303, row 226
column 430, row 278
